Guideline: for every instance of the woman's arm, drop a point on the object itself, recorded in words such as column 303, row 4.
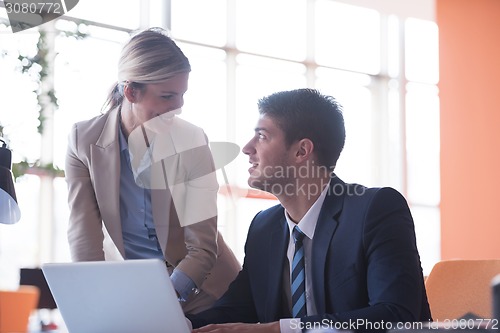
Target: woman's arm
column 85, row 224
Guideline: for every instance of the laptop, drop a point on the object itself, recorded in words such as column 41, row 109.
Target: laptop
column 128, row 296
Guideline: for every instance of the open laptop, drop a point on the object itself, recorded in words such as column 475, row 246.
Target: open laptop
column 116, row 297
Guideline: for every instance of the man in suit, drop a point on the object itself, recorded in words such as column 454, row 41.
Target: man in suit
column 362, row 269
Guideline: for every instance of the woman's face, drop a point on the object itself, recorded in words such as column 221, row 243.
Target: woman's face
column 158, row 98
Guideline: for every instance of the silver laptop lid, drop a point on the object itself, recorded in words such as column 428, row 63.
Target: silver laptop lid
column 116, row 297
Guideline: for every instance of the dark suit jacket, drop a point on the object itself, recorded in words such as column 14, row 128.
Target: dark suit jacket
column 365, row 263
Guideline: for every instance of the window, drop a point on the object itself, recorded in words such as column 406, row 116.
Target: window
column 267, row 28
column 347, row 37
column 381, row 64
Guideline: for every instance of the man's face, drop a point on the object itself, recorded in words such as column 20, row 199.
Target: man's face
column 270, row 157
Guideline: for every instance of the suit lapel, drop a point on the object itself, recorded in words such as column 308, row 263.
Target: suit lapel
column 277, row 255
column 325, row 228
column 105, row 156
column 164, row 217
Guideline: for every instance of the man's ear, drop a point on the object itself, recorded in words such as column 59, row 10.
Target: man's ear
column 130, row 93
column 305, row 148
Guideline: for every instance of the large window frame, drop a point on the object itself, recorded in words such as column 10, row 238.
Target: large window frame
column 388, row 155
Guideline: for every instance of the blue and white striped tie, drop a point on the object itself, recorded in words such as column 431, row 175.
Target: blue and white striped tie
column 298, row 276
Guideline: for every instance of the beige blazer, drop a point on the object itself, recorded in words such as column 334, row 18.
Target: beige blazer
column 94, row 230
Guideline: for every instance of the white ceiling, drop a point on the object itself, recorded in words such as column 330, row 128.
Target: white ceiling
column 423, row 9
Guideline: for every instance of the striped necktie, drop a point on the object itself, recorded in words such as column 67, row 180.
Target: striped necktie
column 298, row 282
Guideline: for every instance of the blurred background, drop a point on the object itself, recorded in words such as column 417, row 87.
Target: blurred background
column 379, row 58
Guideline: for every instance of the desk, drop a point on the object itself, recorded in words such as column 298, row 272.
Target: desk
column 466, row 324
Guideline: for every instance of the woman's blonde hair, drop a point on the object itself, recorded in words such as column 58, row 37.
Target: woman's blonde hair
column 150, row 56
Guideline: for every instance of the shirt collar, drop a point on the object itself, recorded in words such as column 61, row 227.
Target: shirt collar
column 308, row 223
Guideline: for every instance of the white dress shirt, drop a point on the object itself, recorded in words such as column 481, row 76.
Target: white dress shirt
column 307, row 224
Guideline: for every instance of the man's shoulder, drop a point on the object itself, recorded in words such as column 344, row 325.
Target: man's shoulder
column 354, row 194
column 271, row 213
column 266, row 224
column 357, row 191
column 359, row 196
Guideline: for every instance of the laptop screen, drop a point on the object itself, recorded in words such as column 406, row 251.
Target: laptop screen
column 116, row 296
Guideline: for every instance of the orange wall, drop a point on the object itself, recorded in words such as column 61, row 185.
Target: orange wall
column 469, row 35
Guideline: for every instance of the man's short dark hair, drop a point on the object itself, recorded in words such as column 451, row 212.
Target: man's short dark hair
column 306, row 113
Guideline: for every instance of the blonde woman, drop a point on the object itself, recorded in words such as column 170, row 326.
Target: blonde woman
column 141, row 180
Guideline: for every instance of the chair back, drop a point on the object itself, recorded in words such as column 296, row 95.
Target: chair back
column 35, row 277
column 16, row 307
column 457, row 287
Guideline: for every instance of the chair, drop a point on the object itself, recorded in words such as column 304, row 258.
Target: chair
column 46, row 302
column 16, row 307
column 457, row 287
column 35, row 277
